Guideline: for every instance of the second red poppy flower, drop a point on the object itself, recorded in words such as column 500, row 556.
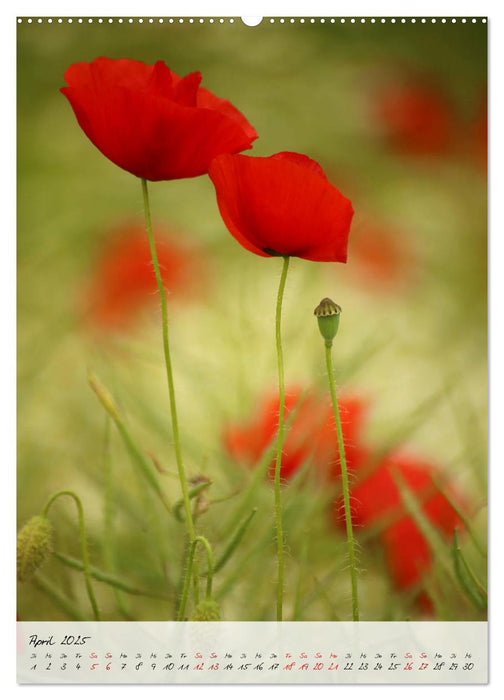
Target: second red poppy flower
column 282, row 205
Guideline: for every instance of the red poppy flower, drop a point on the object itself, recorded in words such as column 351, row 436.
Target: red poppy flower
column 377, row 498
column 312, row 434
column 123, row 279
column 417, row 118
column 149, row 121
column 282, row 205
column 407, row 553
column 377, row 495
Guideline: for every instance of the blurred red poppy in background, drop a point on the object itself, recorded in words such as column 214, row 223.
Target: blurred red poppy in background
column 478, row 131
column 381, row 255
column 311, row 436
column 375, row 497
column 123, row 280
column 376, row 501
column 149, row 121
column 416, row 117
column 282, row 205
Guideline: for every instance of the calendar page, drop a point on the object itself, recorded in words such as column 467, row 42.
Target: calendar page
column 252, row 350
column 253, row 652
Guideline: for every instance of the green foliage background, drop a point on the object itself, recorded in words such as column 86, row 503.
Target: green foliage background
column 307, row 88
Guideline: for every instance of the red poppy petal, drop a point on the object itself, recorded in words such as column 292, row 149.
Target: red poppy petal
column 417, row 118
column 440, row 512
column 273, row 206
column 373, row 497
column 201, row 135
column 407, row 553
column 302, row 160
column 311, row 436
column 151, row 137
column 208, row 100
column 144, row 118
column 108, row 72
column 162, row 82
column 123, row 279
column 186, row 90
column 229, row 192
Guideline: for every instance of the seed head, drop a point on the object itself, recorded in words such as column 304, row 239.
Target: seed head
column 34, row 546
column 328, row 316
column 206, row 611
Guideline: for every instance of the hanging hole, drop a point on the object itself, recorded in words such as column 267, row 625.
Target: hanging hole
column 251, row 21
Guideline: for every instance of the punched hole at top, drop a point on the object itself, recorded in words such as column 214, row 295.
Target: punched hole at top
column 251, row 21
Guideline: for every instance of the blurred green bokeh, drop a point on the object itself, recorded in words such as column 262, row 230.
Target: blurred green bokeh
column 308, row 88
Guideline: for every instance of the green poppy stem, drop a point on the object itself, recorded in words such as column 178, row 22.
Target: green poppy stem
column 109, row 542
column 84, row 550
column 190, row 563
column 171, row 386
column 280, row 438
column 168, row 363
column 344, row 482
column 113, row 581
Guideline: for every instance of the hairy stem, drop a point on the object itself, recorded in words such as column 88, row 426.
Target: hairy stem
column 168, row 363
column 169, row 375
column 82, row 531
column 344, row 483
column 280, row 438
column 202, row 540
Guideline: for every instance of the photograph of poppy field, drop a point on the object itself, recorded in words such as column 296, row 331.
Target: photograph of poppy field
column 252, row 320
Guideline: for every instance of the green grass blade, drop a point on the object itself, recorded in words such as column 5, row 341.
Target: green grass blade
column 466, row 577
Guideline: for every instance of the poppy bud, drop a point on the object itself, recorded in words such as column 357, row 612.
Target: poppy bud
column 105, row 397
column 206, row 611
column 328, row 316
column 34, row 545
